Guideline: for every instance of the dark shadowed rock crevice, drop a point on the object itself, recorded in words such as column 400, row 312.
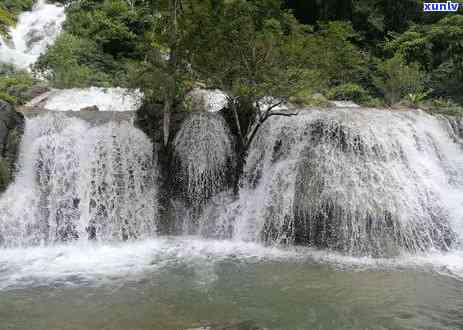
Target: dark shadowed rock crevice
column 183, row 182
column 150, row 120
column 11, row 131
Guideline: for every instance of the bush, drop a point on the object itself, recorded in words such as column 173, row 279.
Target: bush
column 17, row 6
column 373, row 102
column 334, row 53
column 5, row 175
column 349, row 92
column 444, row 106
column 6, row 20
column 415, row 100
column 14, row 87
column 456, row 111
column 397, row 79
column 307, row 98
column 7, row 98
column 73, row 62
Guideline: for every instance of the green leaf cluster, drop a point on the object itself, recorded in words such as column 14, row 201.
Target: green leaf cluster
column 15, row 85
column 101, row 40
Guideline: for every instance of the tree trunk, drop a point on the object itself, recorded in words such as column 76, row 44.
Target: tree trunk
column 172, row 69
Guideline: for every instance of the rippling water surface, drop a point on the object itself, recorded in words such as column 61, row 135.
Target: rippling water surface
column 183, row 283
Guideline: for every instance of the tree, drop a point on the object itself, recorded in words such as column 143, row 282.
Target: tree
column 397, row 79
column 438, row 48
column 255, row 52
column 74, row 62
column 335, row 54
column 162, row 75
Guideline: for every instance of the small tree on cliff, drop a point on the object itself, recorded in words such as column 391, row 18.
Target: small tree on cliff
column 163, row 75
column 255, row 52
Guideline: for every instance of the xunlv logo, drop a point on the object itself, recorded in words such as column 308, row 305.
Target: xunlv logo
column 441, row 6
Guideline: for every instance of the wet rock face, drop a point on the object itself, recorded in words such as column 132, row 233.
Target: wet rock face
column 197, row 163
column 149, row 118
column 93, row 108
column 11, row 130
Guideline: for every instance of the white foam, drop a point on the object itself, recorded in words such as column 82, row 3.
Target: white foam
column 75, row 99
column 213, row 100
column 100, row 263
column 89, row 263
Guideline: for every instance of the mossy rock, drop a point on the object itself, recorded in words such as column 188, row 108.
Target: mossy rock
column 5, row 174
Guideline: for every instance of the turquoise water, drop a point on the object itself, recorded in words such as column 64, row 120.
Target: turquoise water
column 187, row 283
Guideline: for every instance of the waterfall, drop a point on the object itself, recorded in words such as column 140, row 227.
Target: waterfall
column 203, row 154
column 359, row 181
column 74, row 99
column 78, row 181
column 33, row 33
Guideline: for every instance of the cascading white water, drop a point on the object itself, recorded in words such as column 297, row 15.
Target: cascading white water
column 34, row 32
column 78, row 181
column 360, row 181
column 75, row 99
column 203, row 151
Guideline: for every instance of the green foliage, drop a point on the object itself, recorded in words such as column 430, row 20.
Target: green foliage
column 9, row 9
column 396, row 79
column 416, row 99
column 373, row 102
column 368, row 51
column 6, row 19
column 7, row 98
column 73, row 62
column 444, row 106
column 442, row 103
column 13, row 87
column 5, row 175
column 17, row 6
column 456, row 111
column 308, row 99
column 438, row 48
column 333, row 52
column 251, row 49
column 102, row 39
column 113, row 25
column 349, row 92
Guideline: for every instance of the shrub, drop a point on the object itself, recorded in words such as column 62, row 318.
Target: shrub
column 7, row 98
column 13, row 86
column 397, row 79
column 415, row 99
column 5, row 175
column 73, row 62
column 6, row 20
column 349, row 92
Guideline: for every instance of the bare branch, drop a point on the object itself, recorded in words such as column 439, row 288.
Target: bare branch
column 284, row 114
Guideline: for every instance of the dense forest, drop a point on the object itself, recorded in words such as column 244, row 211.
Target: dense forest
column 374, row 52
